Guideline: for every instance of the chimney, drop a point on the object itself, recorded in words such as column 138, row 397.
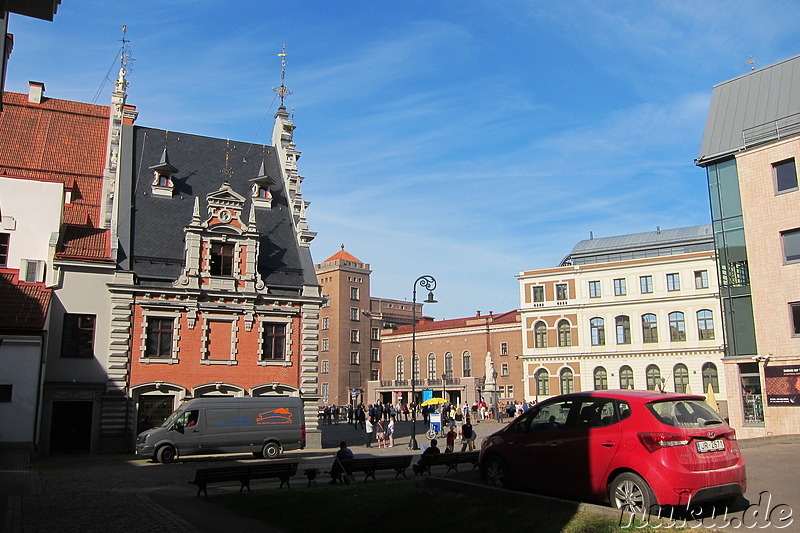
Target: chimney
column 35, row 92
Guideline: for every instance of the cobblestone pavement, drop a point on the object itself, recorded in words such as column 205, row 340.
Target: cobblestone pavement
column 85, row 493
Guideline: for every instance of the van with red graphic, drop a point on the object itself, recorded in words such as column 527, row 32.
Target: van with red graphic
column 263, row 425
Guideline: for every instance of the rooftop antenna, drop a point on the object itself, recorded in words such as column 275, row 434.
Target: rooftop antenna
column 125, row 59
column 751, row 62
column 282, row 91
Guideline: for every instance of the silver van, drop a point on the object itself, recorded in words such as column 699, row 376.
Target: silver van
column 264, row 425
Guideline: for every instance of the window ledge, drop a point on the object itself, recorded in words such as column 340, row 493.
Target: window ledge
column 274, row 363
column 227, row 362
column 160, row 360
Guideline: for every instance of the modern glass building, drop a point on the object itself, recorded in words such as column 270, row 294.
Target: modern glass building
column 750, row 149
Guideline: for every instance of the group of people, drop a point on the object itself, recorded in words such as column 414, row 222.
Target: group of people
column 384, row 432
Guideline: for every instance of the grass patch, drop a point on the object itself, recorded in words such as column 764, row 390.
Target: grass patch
column 401, row 506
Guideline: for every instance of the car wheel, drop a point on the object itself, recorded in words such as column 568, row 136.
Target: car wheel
column 165, row 454
column 496, row 473
column 629, row 492
column 271, row 450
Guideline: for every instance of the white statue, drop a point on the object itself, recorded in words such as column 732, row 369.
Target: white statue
column 490, row 373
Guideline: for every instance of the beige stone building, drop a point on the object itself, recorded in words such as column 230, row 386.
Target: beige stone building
column 750, row 150
column 452, row 360
column 636, row 311
column 350, row 327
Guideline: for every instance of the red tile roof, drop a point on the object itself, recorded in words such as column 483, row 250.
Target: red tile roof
column 341, row 254
column 503, row 318
column 60, row 140
column 23, row 306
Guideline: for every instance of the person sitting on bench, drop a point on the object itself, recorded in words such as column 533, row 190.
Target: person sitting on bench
column 337, row 469
column 433, row 449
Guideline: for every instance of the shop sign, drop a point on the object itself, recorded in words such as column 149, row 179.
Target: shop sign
column 783, row 385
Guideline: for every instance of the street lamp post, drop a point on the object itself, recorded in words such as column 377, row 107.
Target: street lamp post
column 429, row 283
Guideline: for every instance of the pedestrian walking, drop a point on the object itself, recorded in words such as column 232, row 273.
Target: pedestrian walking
column 467, row 436
column 369, row 433
column 380, row 434
column 390, row 432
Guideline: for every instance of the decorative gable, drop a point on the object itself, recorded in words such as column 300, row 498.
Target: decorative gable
column 221, row 253
column 162, row 184
column 225, row 208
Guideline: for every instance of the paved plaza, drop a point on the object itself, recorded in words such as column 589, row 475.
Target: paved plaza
column 84, row 493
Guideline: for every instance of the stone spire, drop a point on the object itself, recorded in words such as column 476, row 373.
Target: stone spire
column 120, row 115
column 282, row 140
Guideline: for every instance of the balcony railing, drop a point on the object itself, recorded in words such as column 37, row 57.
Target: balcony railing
column 771, row 131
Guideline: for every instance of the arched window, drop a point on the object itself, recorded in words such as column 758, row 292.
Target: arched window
column 564, row 333
column 681, row 375
column 431, row 366
column 400, row 370
column 540, row 335
column 466, row 361
column 710, row 376
column 625, row 377
column 653, row 374
column 623, row 324
column 600, row 378
column 542, row 382
column 598, row 330
column 677, row 326
column 567, row 381
column 649, row 328
column 415, row 367
column 705, row 324
column 448, row 365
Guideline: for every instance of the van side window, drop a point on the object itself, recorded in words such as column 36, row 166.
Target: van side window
column 189, row 418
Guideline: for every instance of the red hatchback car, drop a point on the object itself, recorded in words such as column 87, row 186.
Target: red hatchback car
column 632, row 449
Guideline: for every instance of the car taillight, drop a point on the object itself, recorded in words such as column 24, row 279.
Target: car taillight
column 303, row 431
column 656, row 441
column 730, row 435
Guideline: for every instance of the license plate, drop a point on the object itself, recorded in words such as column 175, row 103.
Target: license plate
column 704, row 446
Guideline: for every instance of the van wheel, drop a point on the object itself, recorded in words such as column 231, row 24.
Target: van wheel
column 629, row 492
column 271, row 450
column 165, row 454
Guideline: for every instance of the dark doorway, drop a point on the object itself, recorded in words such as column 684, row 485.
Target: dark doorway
column 71, row 427
column 153, row 410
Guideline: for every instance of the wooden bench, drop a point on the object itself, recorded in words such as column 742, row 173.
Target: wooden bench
column 370, row 465
column 243, row 474
column 450, row 460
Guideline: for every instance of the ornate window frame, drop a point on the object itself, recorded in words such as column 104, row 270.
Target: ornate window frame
column 176, row 337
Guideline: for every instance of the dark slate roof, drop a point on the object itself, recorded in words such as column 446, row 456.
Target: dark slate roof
column 157, row 245
column 758, row 107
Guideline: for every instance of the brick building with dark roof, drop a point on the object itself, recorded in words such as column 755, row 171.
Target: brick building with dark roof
column 180, row 268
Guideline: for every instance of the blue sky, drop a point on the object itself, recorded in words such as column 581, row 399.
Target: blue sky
column 468, row 140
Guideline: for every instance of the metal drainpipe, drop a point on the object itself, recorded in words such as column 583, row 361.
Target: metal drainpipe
column 37, row 419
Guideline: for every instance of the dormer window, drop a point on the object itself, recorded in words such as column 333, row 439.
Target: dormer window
column 162, row 177
column 221, row 259
column 260, row 191
column 70, row 188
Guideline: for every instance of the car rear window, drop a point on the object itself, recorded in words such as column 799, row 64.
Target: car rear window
column 684, row 413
